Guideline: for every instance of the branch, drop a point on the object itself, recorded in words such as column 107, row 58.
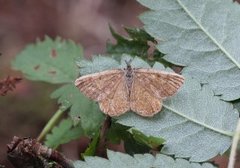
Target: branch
column 27, row 152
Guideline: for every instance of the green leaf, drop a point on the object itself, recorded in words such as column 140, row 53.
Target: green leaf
column 134, row 141
column 63, row 133
column 117, row 132
column 97, row 64
column 132, row 146
column 49, row 61
column 201, row 35
column 150, row 141
column 139, row 35
column 136, row 44
column 121, row 160
column 80, row 106
column 90, row 151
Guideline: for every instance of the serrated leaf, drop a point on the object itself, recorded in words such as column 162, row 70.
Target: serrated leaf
column 138, row 34
column 201, row 35
column 63, row 133
column 121, row 160
column 136, row 44
column 195, row 123
column 80, row 106
column 97, row 64
column 50, row 60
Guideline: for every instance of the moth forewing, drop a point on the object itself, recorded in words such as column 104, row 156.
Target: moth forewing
column 98, row 85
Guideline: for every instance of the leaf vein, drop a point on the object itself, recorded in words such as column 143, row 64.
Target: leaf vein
column 227, row 133
column 209, row 35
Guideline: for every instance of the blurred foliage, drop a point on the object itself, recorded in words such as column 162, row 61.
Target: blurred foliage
column 52, row 61
column 63, row 133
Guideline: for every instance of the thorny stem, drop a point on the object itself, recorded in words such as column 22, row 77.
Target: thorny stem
column 51, row 123
column 233, row 153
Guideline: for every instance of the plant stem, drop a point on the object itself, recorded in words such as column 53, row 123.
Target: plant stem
column 51, row 123
column 233, row 153
column 102, row 139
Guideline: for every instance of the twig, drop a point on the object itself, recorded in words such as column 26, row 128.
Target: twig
column 233, row 153
column 27, row 152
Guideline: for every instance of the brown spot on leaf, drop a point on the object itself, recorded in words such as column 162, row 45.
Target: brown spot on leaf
column 36, row 67
column 53, row 53
column 52, row 72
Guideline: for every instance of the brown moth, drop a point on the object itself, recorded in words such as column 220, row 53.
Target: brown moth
column 138, row 89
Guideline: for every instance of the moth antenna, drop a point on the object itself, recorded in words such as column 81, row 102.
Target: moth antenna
column 128, row 62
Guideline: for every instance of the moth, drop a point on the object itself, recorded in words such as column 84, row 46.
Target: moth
column 138, row 89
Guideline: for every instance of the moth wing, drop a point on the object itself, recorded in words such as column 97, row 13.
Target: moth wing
column 117, row 102
column 142, row 101
column 99, row 85
column 159, row 83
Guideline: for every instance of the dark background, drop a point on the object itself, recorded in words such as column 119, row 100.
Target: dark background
column 25, row 111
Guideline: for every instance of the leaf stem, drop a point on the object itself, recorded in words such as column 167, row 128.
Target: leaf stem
column 209, row 35
column 233, row 153
column 228, row 133
column 102, row 139
column 51, row 123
